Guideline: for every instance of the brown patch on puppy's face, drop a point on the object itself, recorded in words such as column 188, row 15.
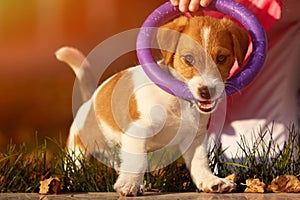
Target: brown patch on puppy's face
column 222, row 40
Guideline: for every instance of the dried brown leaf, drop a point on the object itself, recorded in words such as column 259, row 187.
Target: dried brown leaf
column 285, row 183
column 231, row 177
column 50, row 186
column 255, row 186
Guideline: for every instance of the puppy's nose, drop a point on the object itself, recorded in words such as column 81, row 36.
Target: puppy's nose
column 207, row 92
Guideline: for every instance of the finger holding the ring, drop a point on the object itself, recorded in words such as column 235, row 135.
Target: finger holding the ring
column 174, row 2
column 184, row 5
column 205, row 3
column 194, row 5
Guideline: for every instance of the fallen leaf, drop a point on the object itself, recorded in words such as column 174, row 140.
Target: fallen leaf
column 285, row 183
column 50, row 186
column 231, row 177
column 254, row 186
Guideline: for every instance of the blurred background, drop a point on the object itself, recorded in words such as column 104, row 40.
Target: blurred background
column 35, row 88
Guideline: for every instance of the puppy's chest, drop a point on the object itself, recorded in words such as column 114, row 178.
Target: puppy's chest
column 179, row 125
column 175, row 115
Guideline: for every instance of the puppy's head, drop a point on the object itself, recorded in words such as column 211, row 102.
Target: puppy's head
column 201, row 51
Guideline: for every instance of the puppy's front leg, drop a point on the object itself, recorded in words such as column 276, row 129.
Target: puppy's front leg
column 133, row 166
column 197, row 161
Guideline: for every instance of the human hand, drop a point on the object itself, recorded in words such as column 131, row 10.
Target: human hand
column 190, row 5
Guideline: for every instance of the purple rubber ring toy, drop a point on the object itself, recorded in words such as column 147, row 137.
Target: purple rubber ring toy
column 175, row 87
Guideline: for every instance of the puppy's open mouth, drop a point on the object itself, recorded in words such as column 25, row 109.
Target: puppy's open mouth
column 206, row 106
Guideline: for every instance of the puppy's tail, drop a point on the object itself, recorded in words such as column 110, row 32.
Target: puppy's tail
column 79, row 64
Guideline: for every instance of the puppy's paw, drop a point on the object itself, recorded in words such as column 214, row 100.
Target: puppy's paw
column 129, row 185
column 215, row 184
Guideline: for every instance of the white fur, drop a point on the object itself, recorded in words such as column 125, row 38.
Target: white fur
column 205, row 37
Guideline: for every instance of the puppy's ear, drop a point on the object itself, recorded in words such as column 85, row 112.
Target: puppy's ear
column 240, row 40
column 168, row 40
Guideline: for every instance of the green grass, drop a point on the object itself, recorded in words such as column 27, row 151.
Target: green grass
column 262, row 159
column 22, row 169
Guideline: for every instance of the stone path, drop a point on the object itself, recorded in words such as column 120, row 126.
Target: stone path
column 160, row 196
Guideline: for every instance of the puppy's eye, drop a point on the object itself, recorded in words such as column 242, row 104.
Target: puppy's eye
column 189, row 59
column 221, row 59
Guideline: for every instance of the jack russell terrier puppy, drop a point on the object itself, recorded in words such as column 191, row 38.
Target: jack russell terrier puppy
column 130, row 112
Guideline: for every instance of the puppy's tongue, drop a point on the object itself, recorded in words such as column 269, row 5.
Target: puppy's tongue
column 206, row 106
